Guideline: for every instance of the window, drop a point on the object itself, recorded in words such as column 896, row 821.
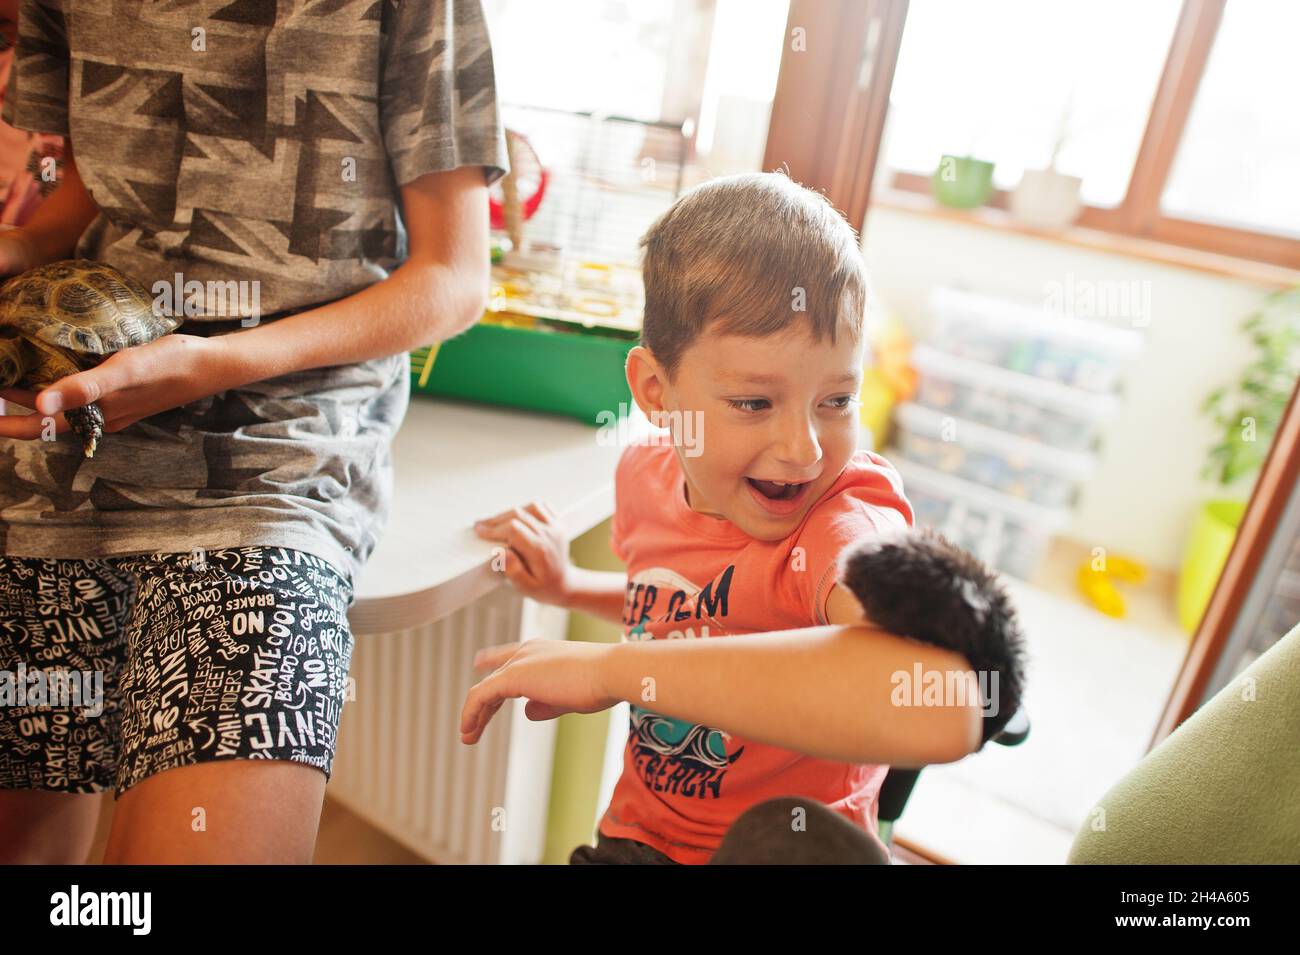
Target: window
column 1007, row 81
column 603, row 56
column 1177, row 114
column 1237, row 162
column 628, row 103
column 709, row 64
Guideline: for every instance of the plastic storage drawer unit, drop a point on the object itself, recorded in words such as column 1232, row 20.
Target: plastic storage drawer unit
column 1006, row 533
column 1081, row 353
column 1025, row 469
column 1023, row 405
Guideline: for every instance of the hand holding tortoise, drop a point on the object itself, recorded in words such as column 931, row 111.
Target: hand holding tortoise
column 88, row 338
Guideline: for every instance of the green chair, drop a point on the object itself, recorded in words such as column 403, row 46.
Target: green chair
column 1222, row 788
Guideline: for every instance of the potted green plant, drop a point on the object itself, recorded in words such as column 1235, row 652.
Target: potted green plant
column 962, row 182
column 1247, row 414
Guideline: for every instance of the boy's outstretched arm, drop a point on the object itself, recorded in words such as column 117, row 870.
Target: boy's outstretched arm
column 825, row 691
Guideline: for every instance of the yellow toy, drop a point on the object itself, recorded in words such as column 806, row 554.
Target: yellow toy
column 1099, row 587
column 888, row 380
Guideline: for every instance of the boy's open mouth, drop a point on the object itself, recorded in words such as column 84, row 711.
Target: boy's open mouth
column 777, row 490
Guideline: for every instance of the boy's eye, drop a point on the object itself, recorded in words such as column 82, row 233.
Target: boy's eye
column 751, row 405
column 842, row 402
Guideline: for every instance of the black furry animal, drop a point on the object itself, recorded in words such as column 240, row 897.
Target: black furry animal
column 917, row 584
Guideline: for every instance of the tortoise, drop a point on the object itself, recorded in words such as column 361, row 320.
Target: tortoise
column 67, row 316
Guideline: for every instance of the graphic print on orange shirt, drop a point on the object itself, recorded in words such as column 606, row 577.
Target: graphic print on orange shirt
column 672, row 755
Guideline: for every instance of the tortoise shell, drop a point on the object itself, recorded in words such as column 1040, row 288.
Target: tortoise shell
column 86, row 307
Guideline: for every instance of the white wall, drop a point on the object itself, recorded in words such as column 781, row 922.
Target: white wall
column 1148, row 485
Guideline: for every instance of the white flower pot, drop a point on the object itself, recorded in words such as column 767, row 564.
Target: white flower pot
column 1046, row 199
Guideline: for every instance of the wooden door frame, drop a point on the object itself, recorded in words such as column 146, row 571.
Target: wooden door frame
column 832, row 95
column 1272, row 491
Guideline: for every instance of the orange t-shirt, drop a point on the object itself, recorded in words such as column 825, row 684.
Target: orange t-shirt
column 691, row 575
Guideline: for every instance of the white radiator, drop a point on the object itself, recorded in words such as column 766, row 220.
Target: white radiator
column 400, row 763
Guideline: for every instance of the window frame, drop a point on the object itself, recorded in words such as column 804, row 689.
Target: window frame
column 1139, row 214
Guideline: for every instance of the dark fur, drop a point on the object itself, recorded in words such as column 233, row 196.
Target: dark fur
column 916, row 584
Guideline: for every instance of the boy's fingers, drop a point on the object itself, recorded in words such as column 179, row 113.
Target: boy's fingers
column 530, row 517
column 81, row 388
column 542, row 512
column 519, row 533
column 19, row 396
column 550, row 516
column 476, row 699
column 484, row 718
column 516, row 570
column 547, row 519
column 496, row 518
column 514, row 562
column 30, row 425
column 492, row 532
column 493, row 657
column 481, row 702
column 499, row 529
column 524, row 541
column 505, row 517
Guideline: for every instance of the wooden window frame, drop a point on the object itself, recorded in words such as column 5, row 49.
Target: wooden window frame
column 832, row 94
column 1269, row 498
column 1139, row 214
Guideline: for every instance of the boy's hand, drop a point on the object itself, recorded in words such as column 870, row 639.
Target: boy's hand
column 131, row 384
column 556, row 676
column 537, row 555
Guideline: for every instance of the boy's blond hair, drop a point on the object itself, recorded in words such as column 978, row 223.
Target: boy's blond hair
column 755, row 252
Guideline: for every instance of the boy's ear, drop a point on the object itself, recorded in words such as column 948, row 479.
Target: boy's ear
column 646, row 379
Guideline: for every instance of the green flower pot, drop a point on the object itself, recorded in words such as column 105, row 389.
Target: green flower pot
column 962, row 182
column 1207, row 550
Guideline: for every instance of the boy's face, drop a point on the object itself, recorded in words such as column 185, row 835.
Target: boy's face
column 767, row 412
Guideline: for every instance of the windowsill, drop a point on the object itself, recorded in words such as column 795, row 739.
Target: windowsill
column 1259, row 273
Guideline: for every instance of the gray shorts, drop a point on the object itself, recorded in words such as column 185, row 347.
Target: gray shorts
column 761, row 835
column 114, row 669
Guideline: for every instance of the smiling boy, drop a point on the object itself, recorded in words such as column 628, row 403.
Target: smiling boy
column 753, row 333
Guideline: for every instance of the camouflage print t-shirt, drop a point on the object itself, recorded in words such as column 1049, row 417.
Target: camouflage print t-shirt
column 261, row 144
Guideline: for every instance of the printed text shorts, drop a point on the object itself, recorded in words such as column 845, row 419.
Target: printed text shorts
column 239, row 653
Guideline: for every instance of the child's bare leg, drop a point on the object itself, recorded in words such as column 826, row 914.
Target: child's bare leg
column 39, row 827
column 234, row 810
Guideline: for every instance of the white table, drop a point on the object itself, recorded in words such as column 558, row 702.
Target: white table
column 428, row 598
column 456, row 462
